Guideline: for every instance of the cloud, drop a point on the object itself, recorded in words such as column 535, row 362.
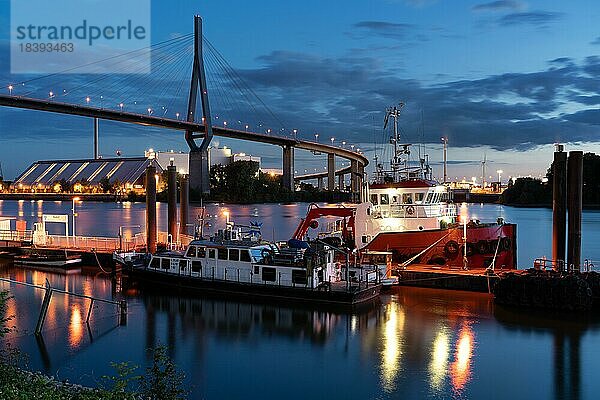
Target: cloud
column 389, row 30
column 595, row 41
column 499, row 5
column 535, row 18
column 346, row 97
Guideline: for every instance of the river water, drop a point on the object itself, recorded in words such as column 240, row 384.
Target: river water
column 416, row 343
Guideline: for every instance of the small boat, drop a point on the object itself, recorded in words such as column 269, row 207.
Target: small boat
column 240, row 264
column 50, row 261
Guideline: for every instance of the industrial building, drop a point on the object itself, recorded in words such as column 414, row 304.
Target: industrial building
column 216, row 155
column 85, row 176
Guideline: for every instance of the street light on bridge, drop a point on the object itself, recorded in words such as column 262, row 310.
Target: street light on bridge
column 121, row 106
column 10, row 89
column 87, row 100
column 332, row 140
column 316, row 137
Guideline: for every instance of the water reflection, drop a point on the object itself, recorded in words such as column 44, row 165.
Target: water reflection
column 418, row 343
column 392, row 345
column 460, row 370
column 438, row 367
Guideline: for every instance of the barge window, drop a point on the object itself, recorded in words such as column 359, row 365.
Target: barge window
column 429, row 197
column 211, row 253
column 257, row 255
column 269, row 274
column 234, row 255
column 245, row 255
column 182, row 264
column 374, row 199
column 222, row 253
column 407, row 198
column 394, row 199
column 196, row 266
column 155, row 263
column 385, row 199
column 165, row 263
column 299, row 276
column 191, row 251
column 256, row 269
column 419, row 198
column 201, row 252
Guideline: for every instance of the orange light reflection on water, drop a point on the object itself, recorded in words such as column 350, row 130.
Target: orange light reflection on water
column 76, row 326
column 460, row 370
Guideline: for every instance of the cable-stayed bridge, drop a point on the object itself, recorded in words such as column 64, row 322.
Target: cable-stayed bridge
column 159, row 100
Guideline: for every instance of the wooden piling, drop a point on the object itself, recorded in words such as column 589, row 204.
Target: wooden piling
column 151, row 208
column 559, row 207
column 172, row 201
column 184, row 202
column 575, row 205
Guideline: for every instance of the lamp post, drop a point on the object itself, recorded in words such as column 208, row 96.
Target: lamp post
column 121, row 233
column 499, row 172
column 317, row 137
column 74, row 215
column 445, row 141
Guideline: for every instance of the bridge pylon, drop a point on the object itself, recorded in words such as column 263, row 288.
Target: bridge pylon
column 199, row 166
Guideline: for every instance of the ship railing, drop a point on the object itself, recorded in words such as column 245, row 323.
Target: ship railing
column 22, row 236
column 82, row 242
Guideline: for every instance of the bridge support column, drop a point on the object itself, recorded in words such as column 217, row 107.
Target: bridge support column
column 362, row 190
column 172, row 201
column 199, row 171
column 288, row 167
column 331, row 172
column 320, row 183
column 184, row 202
column 341, row 185
column 151, row 208
column 354, row 184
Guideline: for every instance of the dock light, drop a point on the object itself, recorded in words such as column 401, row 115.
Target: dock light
column 74, row 215
column 226, row 214
column 10, row 89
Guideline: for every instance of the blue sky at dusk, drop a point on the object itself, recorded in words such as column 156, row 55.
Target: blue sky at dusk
column 506, row 78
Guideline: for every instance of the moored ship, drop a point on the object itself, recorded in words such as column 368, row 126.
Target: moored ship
column 240, row 264
column 413, row 217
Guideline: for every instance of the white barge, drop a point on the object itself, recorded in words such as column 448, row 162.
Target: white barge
column 244, row 266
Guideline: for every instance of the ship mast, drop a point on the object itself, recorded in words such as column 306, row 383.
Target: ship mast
column 394, row 112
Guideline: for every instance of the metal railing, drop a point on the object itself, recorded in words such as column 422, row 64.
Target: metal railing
column 16, row 236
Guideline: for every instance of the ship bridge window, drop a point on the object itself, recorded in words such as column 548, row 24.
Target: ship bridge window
column 407, row 198
column 394, row 199
column 222, row 253
column 201, row 252
column 211, row 253
column 429, row 198
column 191, row 252
column 234, row 254
column 445, row 197
column 374, row 199
column 419, row 198
column 385, row 199
column 244, row 255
